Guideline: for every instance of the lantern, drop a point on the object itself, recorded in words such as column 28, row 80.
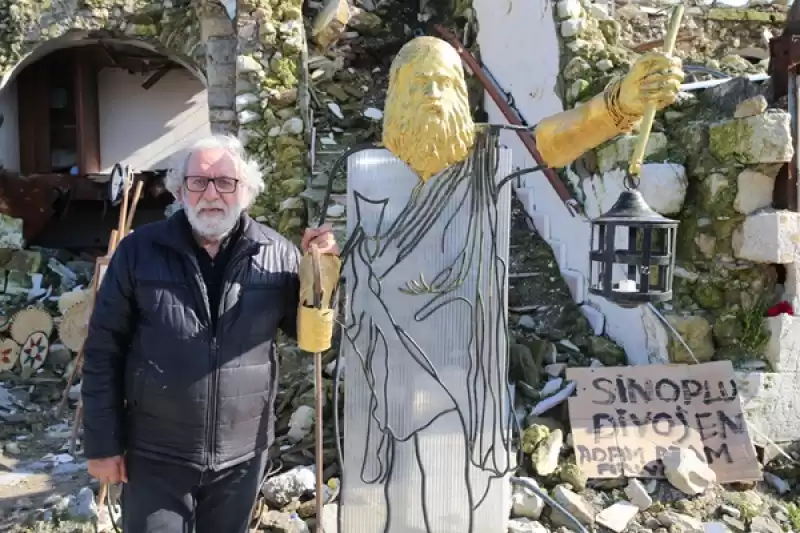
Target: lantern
column 640, row 270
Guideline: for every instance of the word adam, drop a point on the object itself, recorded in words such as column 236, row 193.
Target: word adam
column 615, row 461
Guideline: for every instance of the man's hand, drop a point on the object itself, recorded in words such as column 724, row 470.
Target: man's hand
column 655, row 78
column 323, row 238
column 110, row 470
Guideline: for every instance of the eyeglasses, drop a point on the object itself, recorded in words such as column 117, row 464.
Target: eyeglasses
column 224, row 185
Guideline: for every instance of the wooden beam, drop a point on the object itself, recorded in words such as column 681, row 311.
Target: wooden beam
column 156, row 77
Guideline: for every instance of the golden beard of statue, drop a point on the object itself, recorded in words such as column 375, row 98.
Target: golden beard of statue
column 427, row 122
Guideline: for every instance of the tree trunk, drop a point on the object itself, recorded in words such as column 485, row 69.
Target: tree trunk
column 218, row 30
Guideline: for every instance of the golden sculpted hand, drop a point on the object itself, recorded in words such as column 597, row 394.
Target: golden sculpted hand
column 655, row 78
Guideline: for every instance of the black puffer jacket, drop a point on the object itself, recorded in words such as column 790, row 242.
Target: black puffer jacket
column 157, row 382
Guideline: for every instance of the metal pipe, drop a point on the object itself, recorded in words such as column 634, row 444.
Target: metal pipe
column 713, row 83
column 705, row 70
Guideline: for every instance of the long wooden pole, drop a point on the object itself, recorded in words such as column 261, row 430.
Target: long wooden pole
column 319, row 389
column 646, row 126
column 137, row 195
column 124, row 225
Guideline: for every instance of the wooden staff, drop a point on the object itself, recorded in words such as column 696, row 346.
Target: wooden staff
column 123, row 211
column 650, row 111
column 124, row 225
column 319, row 388
column 137, row 195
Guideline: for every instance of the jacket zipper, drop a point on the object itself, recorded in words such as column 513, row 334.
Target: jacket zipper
column 211, row 441
column 198, row 278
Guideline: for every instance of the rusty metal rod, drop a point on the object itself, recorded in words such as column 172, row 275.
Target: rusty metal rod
column 513, row 116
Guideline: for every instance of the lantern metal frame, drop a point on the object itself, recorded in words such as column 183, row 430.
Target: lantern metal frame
column 657, row 236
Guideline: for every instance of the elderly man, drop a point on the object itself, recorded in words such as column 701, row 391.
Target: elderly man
column 181, row 366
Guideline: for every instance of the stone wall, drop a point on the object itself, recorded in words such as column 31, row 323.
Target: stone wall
column 272, row 106
column 350, row 51
column 270, row 87
column 711, row 163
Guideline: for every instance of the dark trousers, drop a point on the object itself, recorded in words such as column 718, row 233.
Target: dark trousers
column 162, row 497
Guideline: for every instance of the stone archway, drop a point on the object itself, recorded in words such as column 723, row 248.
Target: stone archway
column 78, row 38
column 173, row 31
column 119, row 83
column 271, row 103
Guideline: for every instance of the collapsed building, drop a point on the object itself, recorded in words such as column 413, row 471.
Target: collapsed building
column 127, row 83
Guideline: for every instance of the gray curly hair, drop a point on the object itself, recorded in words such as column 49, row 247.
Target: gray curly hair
column 249, row 171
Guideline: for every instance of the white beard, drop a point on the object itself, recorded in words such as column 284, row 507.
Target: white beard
column 212, row 226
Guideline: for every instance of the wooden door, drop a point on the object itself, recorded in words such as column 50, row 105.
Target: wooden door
column 87, row 109
column 33, row 106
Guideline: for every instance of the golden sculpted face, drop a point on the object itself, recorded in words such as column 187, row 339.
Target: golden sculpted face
column 427, row 122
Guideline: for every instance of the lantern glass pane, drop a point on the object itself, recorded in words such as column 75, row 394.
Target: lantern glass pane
column 632, row 261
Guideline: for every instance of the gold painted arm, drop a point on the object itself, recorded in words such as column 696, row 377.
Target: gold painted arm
column 564, row 137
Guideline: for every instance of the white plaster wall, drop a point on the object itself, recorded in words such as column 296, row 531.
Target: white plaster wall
column 145, row 128
column 519, row 45
column 9, row 131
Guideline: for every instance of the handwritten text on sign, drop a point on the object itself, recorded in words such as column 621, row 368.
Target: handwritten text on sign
column 625, row 419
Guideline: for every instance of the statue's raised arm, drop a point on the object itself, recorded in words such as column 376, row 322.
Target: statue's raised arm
column 653, row 79
column 428, row 125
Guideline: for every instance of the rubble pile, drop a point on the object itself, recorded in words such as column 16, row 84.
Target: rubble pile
column 734, row 40
column 348, row 69
column 38, row 288
column 44, row 488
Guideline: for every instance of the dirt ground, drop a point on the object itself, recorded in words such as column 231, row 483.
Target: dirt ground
column 36, row 470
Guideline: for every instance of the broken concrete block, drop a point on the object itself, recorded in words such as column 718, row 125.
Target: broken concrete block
column 521, row 525
column 684, row 522
column 770, row 236
column 764, row 138
column 687, row 473
column 751, row 107
column 696, row 332
column 618, row 516
column 769, row 401
column 28, row 261
column 716, row 527
column 753, row 191
column 545, row 457
column 330, row 22
column 791, row 285
column 574, row 504
column 18, row 282
column 663, row 187
column 11, row 233
column 525, row 503
column 638, row 494
column 783, row 348
column 618, row 152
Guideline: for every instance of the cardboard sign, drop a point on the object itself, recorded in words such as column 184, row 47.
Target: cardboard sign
column 625, row 419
